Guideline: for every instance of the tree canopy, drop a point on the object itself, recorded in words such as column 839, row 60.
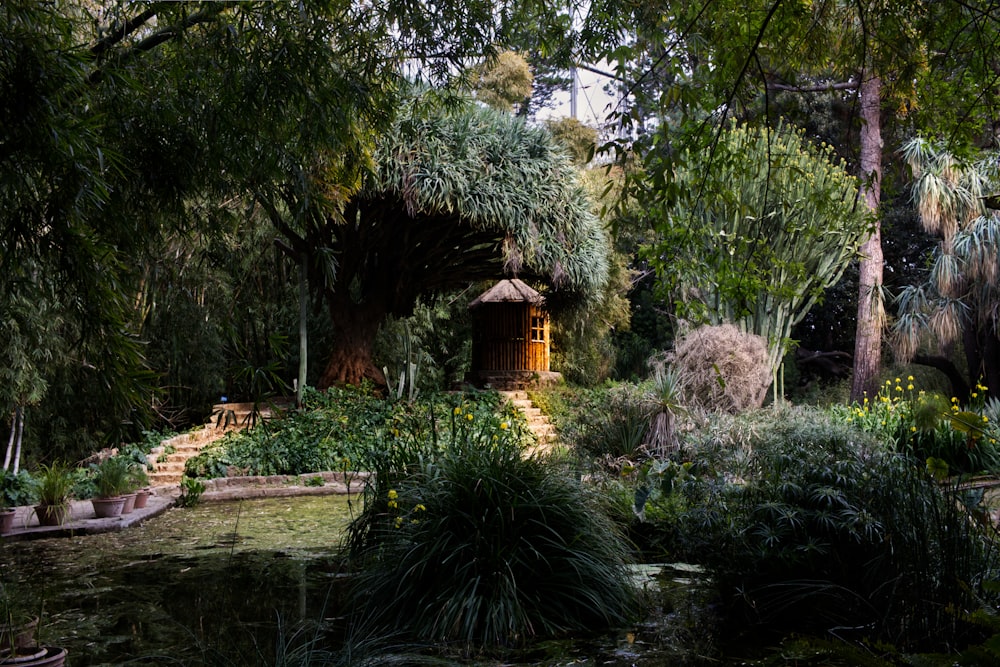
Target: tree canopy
column 457, row 195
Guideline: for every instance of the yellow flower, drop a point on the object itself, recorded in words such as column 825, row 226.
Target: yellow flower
column 974, row 394
column 954, row 399
column 399, row 521
column 503, row 426
column 393, row 504
column 898, row 388
column 985, row 419
column 468, row 416
column 887, row 383
column 898, row 380
column 420, row 508
column 909, row 378
column 913, row 429
column 458, row 410
column 909, row 387
column 392, row 494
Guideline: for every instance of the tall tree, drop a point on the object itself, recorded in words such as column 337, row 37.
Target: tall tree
column 765, row 225
column 126, row 123
column 456, row 196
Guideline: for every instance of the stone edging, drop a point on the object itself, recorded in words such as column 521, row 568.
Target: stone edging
column 282, row 486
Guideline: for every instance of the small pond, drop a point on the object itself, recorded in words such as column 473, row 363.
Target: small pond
column 238, row 583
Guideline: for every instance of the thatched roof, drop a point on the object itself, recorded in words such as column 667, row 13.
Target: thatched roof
column 506, row 186
column 510, row 290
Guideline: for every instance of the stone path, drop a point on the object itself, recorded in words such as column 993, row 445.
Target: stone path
column 169, row 457
column 538, row 422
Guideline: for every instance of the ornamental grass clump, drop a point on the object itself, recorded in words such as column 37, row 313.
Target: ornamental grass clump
column 474, row 545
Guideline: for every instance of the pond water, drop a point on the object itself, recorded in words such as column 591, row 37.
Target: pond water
column 244, row 583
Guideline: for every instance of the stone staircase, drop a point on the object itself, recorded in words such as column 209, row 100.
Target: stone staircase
column 169, row 457
column 538, row 422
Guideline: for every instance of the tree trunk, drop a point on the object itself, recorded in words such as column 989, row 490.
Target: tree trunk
column 959, row 387
column 350, row 359
column 868, row 337
column 300, row 387
column 991, row 364
column 10, row 443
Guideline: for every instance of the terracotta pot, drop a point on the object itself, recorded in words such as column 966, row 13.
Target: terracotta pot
column 141, row 496
column 40, row 656
column 129, row 503
column 23, row 634
column 6, row 521
column 105, row 508
column 52, row 515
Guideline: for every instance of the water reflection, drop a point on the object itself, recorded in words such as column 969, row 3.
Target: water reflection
column 244, row 583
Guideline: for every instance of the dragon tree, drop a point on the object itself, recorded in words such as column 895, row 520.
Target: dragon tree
column 454, row 195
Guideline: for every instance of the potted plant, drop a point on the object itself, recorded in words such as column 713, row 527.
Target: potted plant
column 111, row 478
column 15, row 490
column 17, row 625
column 140, row 481
column 19, row 643
column 55, row 486
column 136, row 479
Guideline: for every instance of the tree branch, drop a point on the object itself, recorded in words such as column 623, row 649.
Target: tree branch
column 162, row 35
column 843, row 85
column 120, row 31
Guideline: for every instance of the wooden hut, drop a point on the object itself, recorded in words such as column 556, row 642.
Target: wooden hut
column 510, row 334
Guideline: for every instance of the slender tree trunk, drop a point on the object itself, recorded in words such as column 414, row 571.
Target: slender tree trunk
column 350, row 360
column 20, row 435
column 10, row 441
column 303, row 329
column 868, row 338
column 991, row 363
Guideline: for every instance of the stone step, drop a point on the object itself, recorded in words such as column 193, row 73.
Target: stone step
column 538, row 422
column 170, row 466
column 164, row 478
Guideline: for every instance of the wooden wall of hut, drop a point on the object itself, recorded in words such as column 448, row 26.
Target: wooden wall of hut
column 510, row 337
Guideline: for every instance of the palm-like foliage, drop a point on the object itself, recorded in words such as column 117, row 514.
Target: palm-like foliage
column 959, row 300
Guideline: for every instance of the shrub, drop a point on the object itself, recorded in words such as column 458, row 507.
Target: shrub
column 807, row 525
column 722, row 368
column 608, row 422
column 474, row 544
column 336, row 426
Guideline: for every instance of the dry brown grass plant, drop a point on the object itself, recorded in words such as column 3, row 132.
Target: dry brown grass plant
column 722, row 368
